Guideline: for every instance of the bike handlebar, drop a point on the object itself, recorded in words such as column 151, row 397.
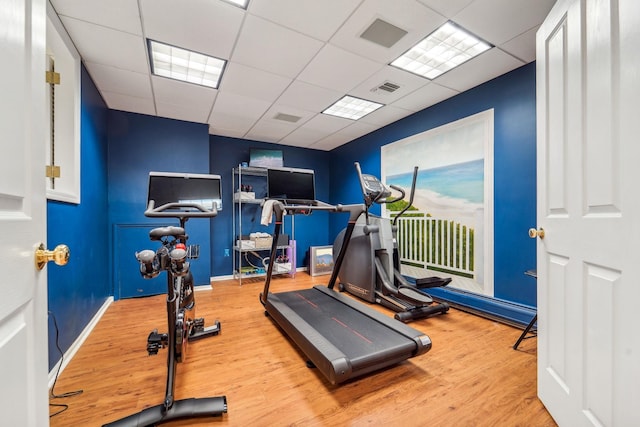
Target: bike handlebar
column 164, row 211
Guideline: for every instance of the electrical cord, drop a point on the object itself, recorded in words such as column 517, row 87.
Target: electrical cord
column 52, row 394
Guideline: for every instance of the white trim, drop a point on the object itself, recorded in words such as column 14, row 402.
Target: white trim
column 68, row 98
column 73, row 349
column 230, row 276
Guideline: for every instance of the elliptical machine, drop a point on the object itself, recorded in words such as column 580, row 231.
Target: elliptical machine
column 183, row 327
column 371, row 267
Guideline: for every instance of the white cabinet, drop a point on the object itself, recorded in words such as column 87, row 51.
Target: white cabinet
column 251, row 255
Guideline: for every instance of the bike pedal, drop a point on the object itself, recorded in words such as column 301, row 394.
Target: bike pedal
column 155, row 342
column 198, row 325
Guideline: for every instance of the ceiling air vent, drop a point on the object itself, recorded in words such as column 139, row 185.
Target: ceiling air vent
column 287, row 117
column 387, row 87
column 383, row 33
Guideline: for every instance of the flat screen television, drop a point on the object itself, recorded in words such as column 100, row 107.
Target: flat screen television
column 291, row 184
column 172, row 187
column 265, row 158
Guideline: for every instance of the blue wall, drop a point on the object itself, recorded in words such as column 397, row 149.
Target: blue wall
column 513, row 98
column 313, row 230
column 79, row 289
column 139, row 144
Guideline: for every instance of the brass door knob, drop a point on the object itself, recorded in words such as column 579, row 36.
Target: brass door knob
column 60, row 255
column 533, row 233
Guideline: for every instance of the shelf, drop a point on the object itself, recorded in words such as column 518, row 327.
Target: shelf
column 248, row 170
column 248, row 201
column 236, row 248
column 248, row 208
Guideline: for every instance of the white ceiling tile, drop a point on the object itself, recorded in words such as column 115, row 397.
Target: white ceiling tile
column 318, row 19
column 308, row 97
column 248, row 81
column 209, row 27
column 270, row 130
column 408, row 15
column 326, row 123
column 482, row 68
column 303, row 137
column 498, row 21
column 242, row 124
column 232, row 133
column 105, row 46
column 330, row 142
column 122, row 102
column 229, row 104
column 408, row 83
column 337, row 69
column 523, row 46
column 448, row 8
column 187, row 113
column 357, row 129
column 425, row 97
column 385, row 115
column 273, row 48
column 121, row 81
column 195, row 97
column 121, row 15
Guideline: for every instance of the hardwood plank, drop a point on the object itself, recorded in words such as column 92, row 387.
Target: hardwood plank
column 471, row 377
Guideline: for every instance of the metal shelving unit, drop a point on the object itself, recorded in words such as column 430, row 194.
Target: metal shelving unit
column 243, row 269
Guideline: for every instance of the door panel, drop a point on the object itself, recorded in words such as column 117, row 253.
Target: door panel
column 23, row 305
column 587, row 261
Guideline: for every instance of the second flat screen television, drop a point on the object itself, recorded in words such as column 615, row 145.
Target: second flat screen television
column 291, row 184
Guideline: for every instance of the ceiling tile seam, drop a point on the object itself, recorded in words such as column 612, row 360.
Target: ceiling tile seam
column 98, row 25
column 511, row 55
column 446, row 18
column 144, row 36
column 233, row 49
column 305, row 34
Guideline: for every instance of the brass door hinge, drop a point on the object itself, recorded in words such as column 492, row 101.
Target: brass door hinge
column 52, row 171
column 53, row 78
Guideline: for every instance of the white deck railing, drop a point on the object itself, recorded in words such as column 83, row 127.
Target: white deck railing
column 432, row 242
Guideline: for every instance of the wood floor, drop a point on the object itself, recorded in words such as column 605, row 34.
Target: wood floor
column 471, row 377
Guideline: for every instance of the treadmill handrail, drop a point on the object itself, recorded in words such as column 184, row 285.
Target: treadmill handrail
column 279, row 209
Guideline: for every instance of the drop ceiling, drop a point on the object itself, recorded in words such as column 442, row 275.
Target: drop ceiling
column 288, row 60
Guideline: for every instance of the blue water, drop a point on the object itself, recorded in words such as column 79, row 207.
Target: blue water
column 459, row 181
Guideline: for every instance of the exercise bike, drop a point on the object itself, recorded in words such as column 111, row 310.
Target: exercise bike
column 183, row 327
column 371, row 268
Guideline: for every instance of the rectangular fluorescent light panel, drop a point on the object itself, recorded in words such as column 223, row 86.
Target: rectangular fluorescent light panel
column 185, row 65
column 239, row 3
column 352, row 108
column 444, row 49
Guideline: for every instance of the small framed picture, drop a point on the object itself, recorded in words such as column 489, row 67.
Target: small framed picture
column 321, row 260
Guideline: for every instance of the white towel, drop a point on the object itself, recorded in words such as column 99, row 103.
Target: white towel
column 267, row 212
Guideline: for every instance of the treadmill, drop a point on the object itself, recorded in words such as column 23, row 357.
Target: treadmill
column 340, row 336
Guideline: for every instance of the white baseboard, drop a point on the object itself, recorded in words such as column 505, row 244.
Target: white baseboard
column 73, row 349
column 230, row 276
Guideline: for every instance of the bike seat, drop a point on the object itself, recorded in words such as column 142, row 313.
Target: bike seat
column 158, row 233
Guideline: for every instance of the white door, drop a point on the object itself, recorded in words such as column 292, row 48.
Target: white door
column 23, row 289
column 588, row 100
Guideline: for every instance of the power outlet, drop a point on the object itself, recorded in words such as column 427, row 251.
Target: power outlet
column 226, row 252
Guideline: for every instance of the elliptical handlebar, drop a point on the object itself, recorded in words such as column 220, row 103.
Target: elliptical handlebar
column 165, row 211
column 413, row 192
